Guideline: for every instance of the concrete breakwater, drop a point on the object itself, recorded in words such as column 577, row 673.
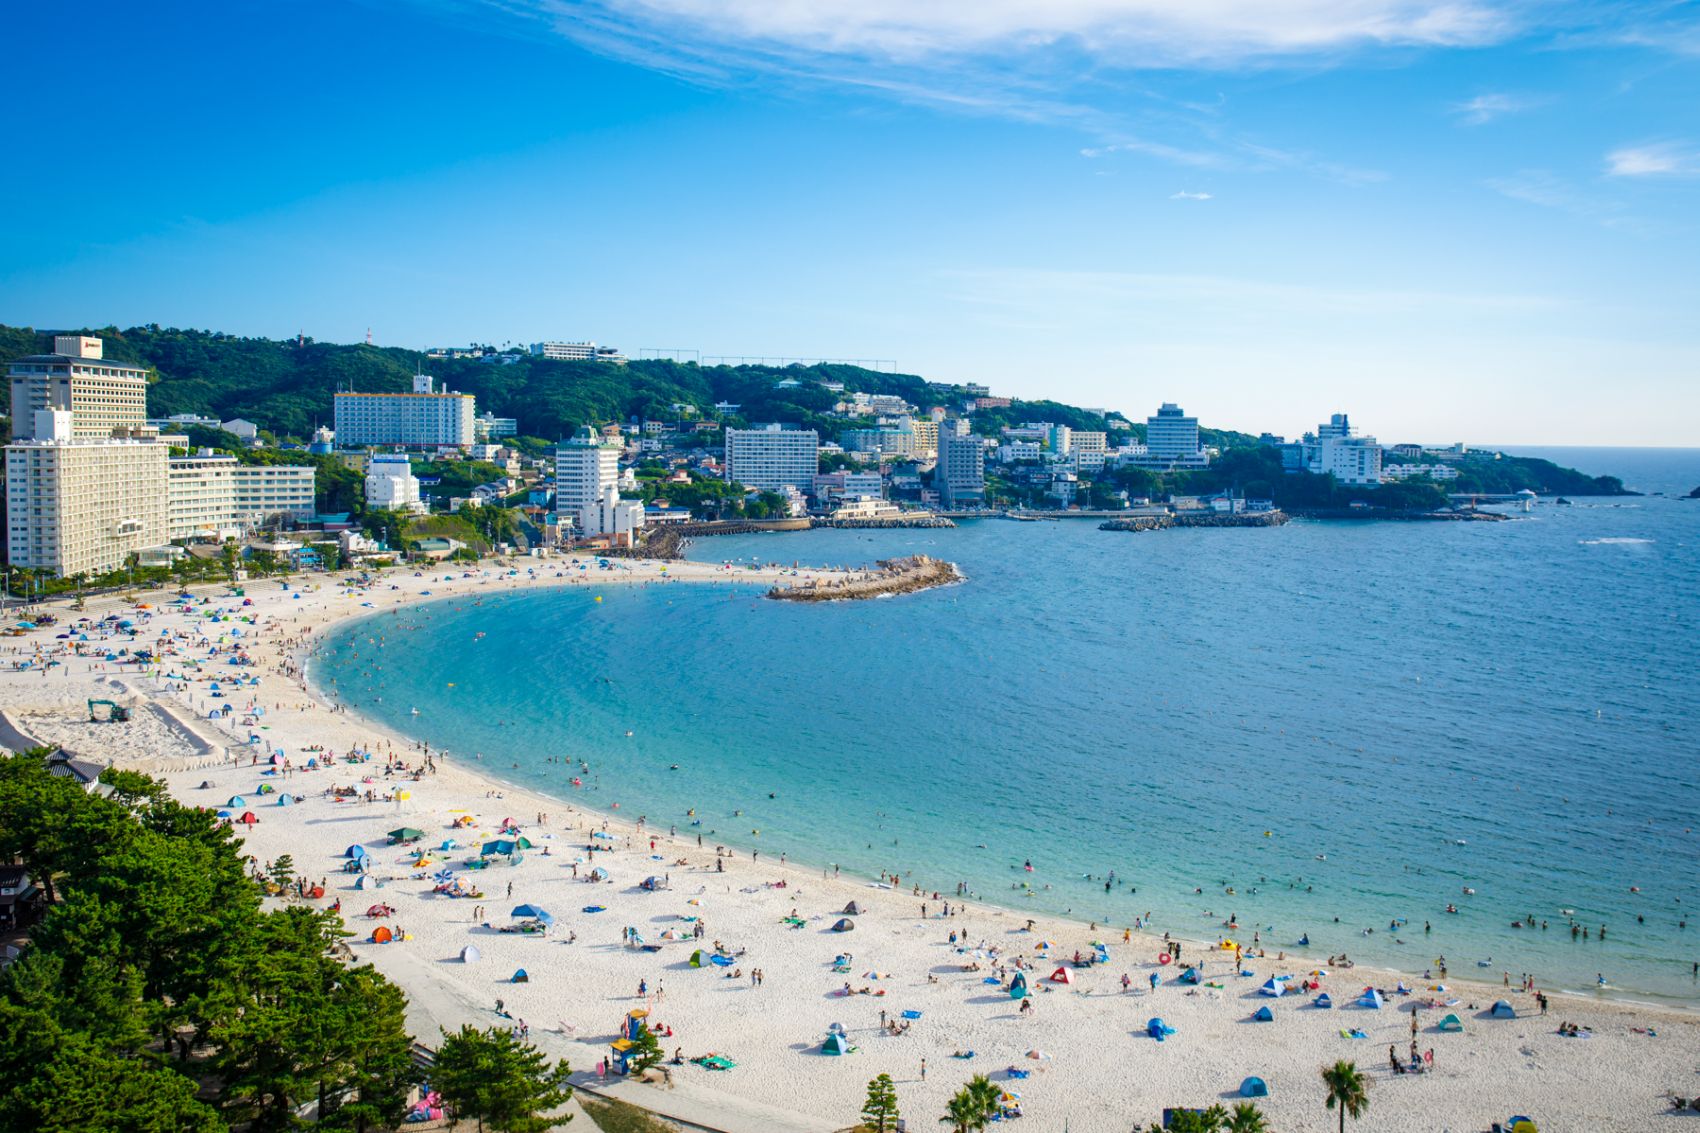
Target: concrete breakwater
column 892, row 521
column 894, row 576
column 1161, row 522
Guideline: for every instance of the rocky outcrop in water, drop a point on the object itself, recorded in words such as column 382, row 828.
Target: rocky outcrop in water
column 895, row 576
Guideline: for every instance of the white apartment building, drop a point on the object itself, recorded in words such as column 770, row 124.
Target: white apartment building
column 771, row 458
column 576, row 352
column 885, row 441
column 273, row 491
column 391, row 484
column 103, row 394
column 210, row 495
column 1334, row 450
column 1418, row 472
column 585, row 468
column 1086, row 441
column 425, row 418
column 81, row 505
column 1171, row 441
column 610, row 516
column 1350, row 460
column 926, row 432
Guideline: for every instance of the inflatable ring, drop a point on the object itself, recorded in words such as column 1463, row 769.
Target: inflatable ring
column 1164, row 957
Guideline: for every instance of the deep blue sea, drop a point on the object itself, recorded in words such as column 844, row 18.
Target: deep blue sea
column 1347, row 723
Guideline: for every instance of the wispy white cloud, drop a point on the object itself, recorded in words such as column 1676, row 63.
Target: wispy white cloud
column 1484, row 108
column 1657, row 159
column 1183, row 195
column 1133, row 32
column 1541, row 187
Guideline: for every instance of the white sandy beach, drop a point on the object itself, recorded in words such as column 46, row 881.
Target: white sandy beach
column 1100, row 1070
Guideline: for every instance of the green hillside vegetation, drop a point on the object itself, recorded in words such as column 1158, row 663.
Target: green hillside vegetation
column 285, row 387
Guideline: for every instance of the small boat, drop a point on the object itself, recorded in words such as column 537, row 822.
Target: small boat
column 413, row 711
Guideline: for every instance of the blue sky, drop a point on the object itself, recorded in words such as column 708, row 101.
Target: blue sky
column 1455, row 219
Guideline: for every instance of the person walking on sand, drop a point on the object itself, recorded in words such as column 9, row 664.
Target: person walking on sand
column 923, row 1070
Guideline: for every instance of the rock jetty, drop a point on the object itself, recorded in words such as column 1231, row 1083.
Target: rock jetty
column 1162, row 522
column 894, row 576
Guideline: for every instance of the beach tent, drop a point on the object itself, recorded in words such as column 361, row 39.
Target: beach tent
column 1273, row 988
column 405, row 834
column 845, row 924
column 1451, row 1024
column 534, row 912
column 852, row 910
column 1503, row 1010
column 248, row 818
column 1191, row 976
column 470, row 954
column 835, row 1044
column 286, row 800
column 1264, row 1015
column 1254, row 1088
column 652, row 884
column 237, row 800
column 1370, row 999
column 1018, row 986
column 266, row 789
column 671, row 934
column 355, row 852
column 364, row 881
column 697, row 958
column 382, row 935
column 206, row 784
column 499, row 846
column 521, row 978
column 1061, row 976
column 1158, row 1029
column 1324, row 1001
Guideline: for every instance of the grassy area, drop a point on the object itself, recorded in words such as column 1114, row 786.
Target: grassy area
column 621, row 1117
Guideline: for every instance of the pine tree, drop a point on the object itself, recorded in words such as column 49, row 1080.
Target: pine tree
column 492, row 1076
column 879, row 1112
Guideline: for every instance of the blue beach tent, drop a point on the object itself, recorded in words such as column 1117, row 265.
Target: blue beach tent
column 1324, row 1001
column 533, row 912
column 1273, row 988
column 1158, row 1029
column 1370, row 999
column 286, row 800
column 237, row 800
column 1254, row 1088
column 356, row 852
column 1503, row 1010
column 1451, row 1024
column 521, row 978
column 1191, row 976
column 1018, row 986
column 1264, row 1015
column 835, row 1044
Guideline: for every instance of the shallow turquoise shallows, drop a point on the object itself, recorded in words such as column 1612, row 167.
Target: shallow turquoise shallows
column 1348, row 724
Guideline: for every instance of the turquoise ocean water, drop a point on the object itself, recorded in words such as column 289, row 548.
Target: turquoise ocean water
column 1406, row 709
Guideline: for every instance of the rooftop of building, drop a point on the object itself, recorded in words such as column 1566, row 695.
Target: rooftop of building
column 110, row 363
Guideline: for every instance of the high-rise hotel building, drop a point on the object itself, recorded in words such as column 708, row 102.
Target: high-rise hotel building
column 103, row 394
